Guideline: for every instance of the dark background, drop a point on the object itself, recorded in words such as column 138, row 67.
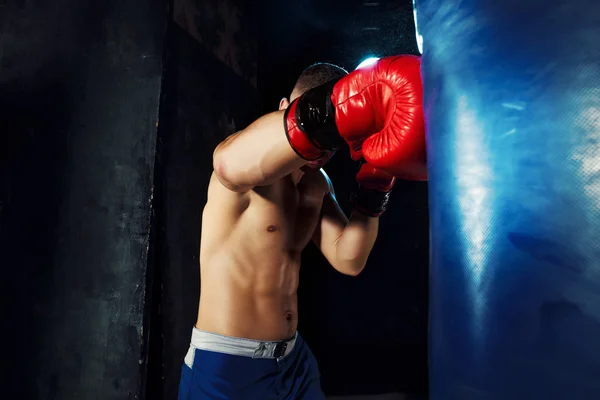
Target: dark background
column 368, row 333
column 79, row 92
column 109, row 113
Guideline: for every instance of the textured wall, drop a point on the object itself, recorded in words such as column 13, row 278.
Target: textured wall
column 226, row 28
column 79, row 91
column 208, row 94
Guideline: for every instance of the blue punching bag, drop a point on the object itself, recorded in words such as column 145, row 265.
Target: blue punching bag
column 512, row 102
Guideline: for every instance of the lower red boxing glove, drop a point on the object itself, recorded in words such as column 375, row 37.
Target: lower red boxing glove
column 376, row 110
column 374, row 189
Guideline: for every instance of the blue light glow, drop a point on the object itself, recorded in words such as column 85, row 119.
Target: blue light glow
column 368, row 61
column 417, row 34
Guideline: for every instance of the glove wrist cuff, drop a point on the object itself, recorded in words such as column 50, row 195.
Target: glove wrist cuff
column 370, row 202
column 312, row 115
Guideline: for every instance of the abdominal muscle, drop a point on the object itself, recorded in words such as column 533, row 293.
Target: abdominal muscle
column 254, row 301
column 250, row 272
column 250, row 257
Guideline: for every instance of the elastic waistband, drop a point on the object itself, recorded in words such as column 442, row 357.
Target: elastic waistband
column 242, row 347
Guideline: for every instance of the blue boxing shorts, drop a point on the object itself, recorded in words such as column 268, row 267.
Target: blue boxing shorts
column 224, row 367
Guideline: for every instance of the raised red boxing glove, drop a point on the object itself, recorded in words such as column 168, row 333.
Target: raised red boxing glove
column 377, row 110
column 374, row 189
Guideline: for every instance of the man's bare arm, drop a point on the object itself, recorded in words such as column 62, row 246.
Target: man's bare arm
column 346, row 243
column 257, row 156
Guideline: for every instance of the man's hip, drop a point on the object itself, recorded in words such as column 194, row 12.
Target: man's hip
column 224, row 367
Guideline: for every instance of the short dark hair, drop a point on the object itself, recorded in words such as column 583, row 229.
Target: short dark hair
column 318, row 74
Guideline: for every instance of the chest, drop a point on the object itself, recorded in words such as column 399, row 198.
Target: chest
column 290, row 208
column 295, row 193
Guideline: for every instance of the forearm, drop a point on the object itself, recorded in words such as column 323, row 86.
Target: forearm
column 355, row 243
column 359, row 235
column 256, row 156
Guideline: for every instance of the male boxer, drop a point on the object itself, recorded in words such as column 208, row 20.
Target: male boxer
column 268, row 198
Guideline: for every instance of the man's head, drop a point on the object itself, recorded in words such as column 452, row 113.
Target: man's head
column 311, row 77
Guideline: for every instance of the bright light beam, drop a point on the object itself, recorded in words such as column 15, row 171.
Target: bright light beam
column 368, row 61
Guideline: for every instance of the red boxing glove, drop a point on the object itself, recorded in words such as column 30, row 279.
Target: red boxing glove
column 374, row 189
column 377, row 110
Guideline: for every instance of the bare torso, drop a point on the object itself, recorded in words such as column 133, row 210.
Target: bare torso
column 250, row 255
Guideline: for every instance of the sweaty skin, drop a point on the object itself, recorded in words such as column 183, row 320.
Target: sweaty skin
column 250, row 254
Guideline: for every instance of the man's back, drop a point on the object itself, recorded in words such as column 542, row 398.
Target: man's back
column 250, row 255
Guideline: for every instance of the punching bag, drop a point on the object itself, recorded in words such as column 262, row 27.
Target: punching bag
column 512, row 100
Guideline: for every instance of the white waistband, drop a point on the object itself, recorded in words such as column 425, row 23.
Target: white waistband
column 240, row 346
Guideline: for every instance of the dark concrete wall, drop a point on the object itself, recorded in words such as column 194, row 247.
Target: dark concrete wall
column 208, row 94
column 79, row 91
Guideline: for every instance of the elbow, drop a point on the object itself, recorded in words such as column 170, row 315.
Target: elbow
column 350, row 260
column 354, row 261
column 352, row 267
column 356, row 270
column 220, row 166
column 226, row 174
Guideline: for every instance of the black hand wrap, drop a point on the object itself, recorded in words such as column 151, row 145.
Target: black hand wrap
column 370, row 202
column 315, row 115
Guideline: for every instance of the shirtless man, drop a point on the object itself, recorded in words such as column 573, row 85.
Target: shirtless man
column 268, row 197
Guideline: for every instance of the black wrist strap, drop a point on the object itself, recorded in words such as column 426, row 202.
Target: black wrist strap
column 371, row 203
column 315, row 114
